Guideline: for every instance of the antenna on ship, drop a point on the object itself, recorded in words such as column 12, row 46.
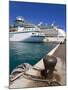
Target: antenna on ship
column 46, row 24
column 53, row 23
column 40, row 23
column 20, row 18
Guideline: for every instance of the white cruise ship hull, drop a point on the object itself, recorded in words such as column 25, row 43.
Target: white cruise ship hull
column 25, row 37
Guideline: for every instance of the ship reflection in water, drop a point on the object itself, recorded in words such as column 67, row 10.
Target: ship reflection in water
column 31, row 53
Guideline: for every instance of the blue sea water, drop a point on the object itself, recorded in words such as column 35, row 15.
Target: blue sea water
column 27, row 52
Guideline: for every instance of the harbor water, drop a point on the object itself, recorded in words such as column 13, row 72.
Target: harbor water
column 27, row 53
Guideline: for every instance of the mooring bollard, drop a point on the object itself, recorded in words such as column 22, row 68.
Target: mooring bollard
column 49, row 64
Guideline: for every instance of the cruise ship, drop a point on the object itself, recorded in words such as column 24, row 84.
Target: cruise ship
column 20, row 30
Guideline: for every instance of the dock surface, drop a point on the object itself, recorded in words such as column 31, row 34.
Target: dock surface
column 26, row 81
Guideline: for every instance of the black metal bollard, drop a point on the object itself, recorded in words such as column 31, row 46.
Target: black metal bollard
column 49, row 64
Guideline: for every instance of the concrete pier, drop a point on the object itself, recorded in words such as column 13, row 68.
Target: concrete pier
column 33, row 78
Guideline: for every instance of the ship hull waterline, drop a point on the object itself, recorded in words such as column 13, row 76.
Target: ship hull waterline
column 25, row 37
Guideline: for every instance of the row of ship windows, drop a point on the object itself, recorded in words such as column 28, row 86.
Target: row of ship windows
column 29, row 29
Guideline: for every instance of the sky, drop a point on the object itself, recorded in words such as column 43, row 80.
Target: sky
column 38, row 12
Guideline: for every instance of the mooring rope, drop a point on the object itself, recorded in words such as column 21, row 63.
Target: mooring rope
column 39, row 79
